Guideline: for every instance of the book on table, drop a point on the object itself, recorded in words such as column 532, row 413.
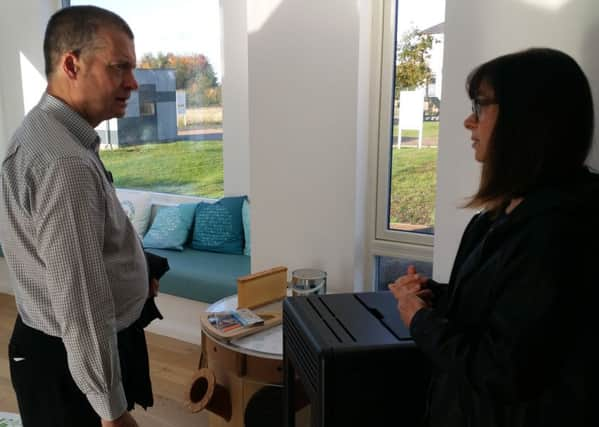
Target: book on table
column 237, row 323
column 230, row 320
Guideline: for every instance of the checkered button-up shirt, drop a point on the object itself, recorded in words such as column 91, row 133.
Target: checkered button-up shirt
column 78, row 267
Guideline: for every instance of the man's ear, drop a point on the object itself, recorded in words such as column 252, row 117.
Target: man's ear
column 70, row 65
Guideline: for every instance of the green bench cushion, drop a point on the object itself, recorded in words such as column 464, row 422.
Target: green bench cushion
column 200, row 275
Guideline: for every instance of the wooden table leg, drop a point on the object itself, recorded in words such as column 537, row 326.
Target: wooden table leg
column 240, row 374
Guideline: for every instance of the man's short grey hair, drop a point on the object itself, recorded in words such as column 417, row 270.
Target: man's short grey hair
column 73, row 29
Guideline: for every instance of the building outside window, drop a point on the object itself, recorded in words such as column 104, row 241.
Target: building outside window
column 170, row 139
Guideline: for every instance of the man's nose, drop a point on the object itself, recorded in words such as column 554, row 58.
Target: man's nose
column 130, row 82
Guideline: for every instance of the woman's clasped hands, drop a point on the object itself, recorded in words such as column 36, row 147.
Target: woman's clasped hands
column 411, row 294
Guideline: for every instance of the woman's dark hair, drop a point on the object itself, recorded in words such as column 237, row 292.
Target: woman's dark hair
column 544, row 127
column 74, row 29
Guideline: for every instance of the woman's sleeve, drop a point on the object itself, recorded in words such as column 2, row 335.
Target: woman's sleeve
column 511, row 352
column 440, row 292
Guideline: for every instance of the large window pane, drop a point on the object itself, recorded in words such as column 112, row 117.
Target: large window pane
column 415, row 118
column 170, row 139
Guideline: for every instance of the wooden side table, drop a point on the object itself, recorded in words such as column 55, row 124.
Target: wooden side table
column 245, row 365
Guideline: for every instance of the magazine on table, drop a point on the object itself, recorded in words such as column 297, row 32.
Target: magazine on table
column 230, row 320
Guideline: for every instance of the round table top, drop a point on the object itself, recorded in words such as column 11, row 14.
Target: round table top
column 267, row 343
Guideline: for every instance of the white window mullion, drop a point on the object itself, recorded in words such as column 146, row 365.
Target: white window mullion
column 383, row 189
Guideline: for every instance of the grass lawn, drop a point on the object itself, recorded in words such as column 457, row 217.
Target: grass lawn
column 182, row 167
column 196, row 168
column 413, row 184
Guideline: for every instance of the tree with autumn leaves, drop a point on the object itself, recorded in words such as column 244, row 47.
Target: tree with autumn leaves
column 193, row 73
column 413, row 53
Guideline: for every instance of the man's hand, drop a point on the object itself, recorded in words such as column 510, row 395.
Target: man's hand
column 125, row 420
column 154, row 286
column 411, row 294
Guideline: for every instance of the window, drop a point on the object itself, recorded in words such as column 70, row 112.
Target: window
column 170, row 139
column 409, row 40
column 410, row 105
column 147, row 109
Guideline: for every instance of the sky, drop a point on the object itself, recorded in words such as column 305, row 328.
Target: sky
column 178, row 26
column 193, row 26
column 421, row 14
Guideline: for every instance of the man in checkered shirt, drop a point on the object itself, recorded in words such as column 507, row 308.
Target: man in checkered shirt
column 80, row 275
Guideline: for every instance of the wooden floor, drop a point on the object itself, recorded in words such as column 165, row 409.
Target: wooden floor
column 8, row 402
column 172, row 362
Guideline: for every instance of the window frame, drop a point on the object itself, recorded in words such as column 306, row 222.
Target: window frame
column 389, row 242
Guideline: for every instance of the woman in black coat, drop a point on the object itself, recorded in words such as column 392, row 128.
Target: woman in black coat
column 510, row 337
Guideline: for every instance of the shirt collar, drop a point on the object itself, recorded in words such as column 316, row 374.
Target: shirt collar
column 76, row 124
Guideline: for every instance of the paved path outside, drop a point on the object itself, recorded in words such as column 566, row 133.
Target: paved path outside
column 412, row 141
column 199, row 131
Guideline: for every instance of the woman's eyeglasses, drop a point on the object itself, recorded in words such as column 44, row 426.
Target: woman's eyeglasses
column 478, row 104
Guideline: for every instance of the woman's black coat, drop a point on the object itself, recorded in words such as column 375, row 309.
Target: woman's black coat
column 511, row 336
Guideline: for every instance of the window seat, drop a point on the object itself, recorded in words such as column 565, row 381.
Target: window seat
column 197, row 275
column 201, row 275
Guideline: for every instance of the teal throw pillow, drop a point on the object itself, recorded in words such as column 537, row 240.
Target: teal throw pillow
column 218, row 226
column 245, row 219
column 170, row 228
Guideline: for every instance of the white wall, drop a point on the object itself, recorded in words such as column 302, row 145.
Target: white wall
column 235, row 98
column 476, row 31
column 3, row 135
column 22, row 25
column 303, row 85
